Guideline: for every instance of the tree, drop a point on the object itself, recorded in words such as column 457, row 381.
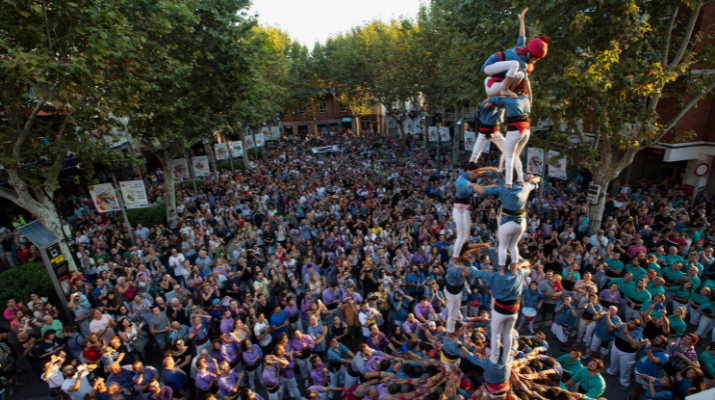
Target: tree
column 610, row 66
column 63, row 75
column 192, row 79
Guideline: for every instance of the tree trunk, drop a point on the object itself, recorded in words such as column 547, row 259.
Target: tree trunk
column 425, row 134
column 169, row 183
column 458, row 128
column 212, row 160
column 357, row 126
column 595, row 214
column 245, row 150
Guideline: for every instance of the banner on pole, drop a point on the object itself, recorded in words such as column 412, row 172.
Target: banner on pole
column 134, row 194
column 408, row 126
column 237, row 149
column 432, row 132
column 104, row 197
column 275, row 133
column 181, row 168
column 558, row 169
column 326, row 149
column 535, row 161
column 418, row 126
column 260, row 139
column 201, row 166
column 469, row 141
column 221, row 150
column 249, row 142
column 444, row 134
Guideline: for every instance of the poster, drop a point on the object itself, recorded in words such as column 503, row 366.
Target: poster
column 444, row 134
column 260, row 139
column 326, row 149
column 221, row 150
column 432, row 132
column 469, row 141
column 408, row 126
column 249, row 142
column 104, row 197
column 275, row 133
column 181, row 168
column 201, row 166
column 134, row 194
column 557, row 166
column 418, row 126
column 237, row 149
column 535, row 161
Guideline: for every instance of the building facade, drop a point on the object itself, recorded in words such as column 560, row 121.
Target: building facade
column 329, row 115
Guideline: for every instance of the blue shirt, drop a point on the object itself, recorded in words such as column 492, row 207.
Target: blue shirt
column 510, row 55
column 645, row 367
column 463, row 189
column 564, row 316
column 602, row 328
column 496, row 374
column 278, row 320
column 401, row 314
column 454, row 275
column 507, row 287
column 514, row 107
column 334, row 356
column 512, row 199
column 491, row 116
column 174, row 378
column 532, row 299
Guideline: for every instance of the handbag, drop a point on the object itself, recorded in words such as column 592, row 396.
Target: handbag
column 140, row 342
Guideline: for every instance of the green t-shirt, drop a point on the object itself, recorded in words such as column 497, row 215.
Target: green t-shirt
column 594, row 385
column 653, row 290
column 677, row 326
column 672, row 276
column 625, row 287
column 655, row 267
column 672, row 259
column 572, row 367
column 707, row 361
column 637, row 271
column 639, row 297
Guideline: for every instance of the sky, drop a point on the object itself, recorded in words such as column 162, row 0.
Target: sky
column 309, row 21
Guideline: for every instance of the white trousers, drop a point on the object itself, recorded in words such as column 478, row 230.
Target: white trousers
column 623, row 362
column 304, row 367
column 278, row 395
column 596, row 345
column 454, row 301
column 631, row 313
column 351, row 381
column 292, row 385
column 508, row 67
column 513, row 146
column 502, row 326
column 337, row 377
column 587, row 328
column 495, row 88
column 482, row 140
column 509, row 235
column 252, row 375
column 694, row 317
column 462, row 220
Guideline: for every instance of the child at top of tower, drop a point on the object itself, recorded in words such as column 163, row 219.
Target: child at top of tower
column 511, row 67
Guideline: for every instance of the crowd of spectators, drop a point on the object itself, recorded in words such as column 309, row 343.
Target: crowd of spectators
column 332, row 267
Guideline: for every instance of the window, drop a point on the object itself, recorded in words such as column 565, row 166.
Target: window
column 343, row 108
column 323, row 107
column 302, row 110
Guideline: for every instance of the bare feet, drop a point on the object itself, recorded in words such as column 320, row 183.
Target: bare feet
column 508, row 93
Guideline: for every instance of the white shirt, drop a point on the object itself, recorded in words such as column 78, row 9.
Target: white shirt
column 84, row 387
column 176, row 263
column 56, row 379
column 259, row 329
column 97, row 326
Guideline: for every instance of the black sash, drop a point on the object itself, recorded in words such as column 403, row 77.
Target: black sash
column 518, row 118
column 455, row 290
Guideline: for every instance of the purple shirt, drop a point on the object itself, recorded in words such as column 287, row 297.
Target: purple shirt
column 445, row 313
column 319, row 377
column 317, row 389
column 226, row 325
column 410, row 328
column 226, row 383
column 356, row 297
column 291, row 311
column 230, row 350
column 270, row 376
column 329, row 296
column 249, row 357
column 306, row 343
column 423, row 312
column 370, row 365
column 288, row 371
column 377, row 343
column 165, row 393
column 382, row 392
column 203, row 378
